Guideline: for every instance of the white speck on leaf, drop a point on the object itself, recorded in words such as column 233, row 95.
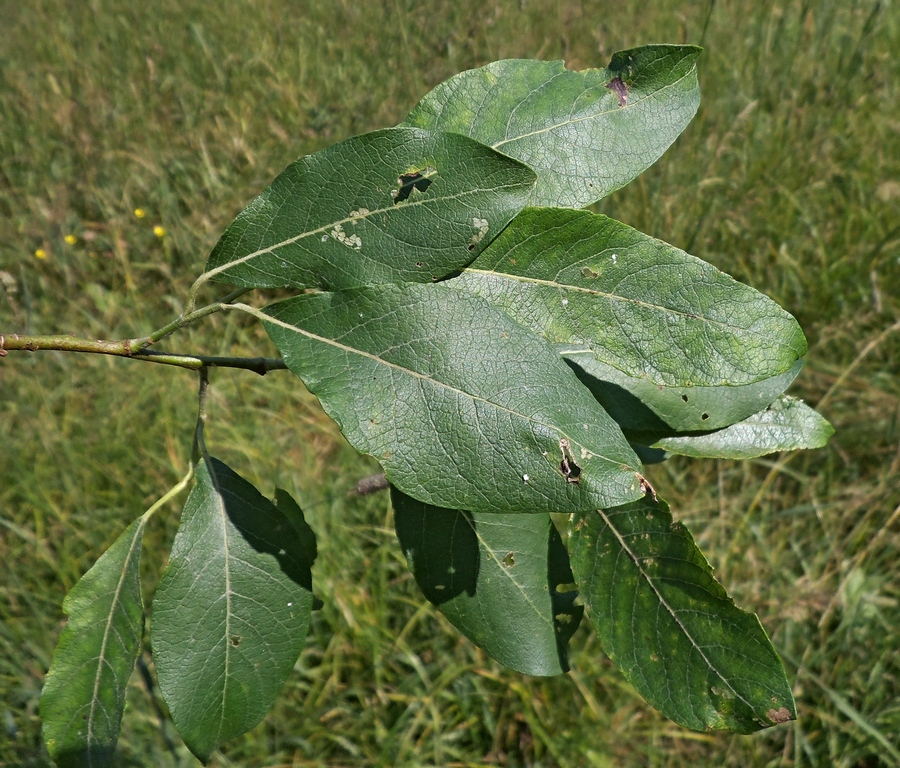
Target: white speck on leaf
column 525, row 478
column 351, row 241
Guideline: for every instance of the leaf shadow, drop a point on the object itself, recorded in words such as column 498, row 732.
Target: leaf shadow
column 442, row 548
column 277, row 529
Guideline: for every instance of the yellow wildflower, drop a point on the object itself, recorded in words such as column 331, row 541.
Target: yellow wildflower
column 71, row 239
column 159, row 231
column 140, row 213
column 40, row 253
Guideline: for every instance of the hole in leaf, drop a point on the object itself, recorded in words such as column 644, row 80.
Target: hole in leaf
column 510, row 560
column 414, row 181
column 704, row 416
column 236, row 640
column 684, row 398
column 571, row 471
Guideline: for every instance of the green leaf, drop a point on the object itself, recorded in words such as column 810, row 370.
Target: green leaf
column 84, row 691
column 232, row 609
column 396, row 205
column 463, row 407
column 572, row 128
column 788, row 424
column 670, row 627
column 641, row 316
column 638, row 304
column 503, row 581
column 641, row 407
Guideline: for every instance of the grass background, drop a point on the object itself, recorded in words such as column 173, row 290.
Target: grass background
column 789, row 179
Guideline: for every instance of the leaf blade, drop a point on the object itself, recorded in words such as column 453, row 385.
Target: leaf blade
column 496, row 578
column 640, row 315
column 232, row 609
column 383, row 360
column 787, row 424
column 329, row 220
column 572, row 127
column 670, row 627
column 84, row 692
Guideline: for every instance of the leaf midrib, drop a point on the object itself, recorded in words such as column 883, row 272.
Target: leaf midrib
column 508, row 573
column 107, row 631
column 348, row 219
column 226, row 570
column 596, row 115
column 315, row 337
column 614, row 298
column 647, row 578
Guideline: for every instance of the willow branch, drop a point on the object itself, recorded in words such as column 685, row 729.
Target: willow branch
column 135, row 349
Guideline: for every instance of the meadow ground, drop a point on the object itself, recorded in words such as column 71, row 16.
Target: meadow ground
column 789, row 179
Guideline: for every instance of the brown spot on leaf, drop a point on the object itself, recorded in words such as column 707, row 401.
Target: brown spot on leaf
column 618, row 87
column 780, row 715
column 647, row 488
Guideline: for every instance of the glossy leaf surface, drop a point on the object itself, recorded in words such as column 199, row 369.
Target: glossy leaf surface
column 84, row 691
column 788, row 424
column 232, row 609
column 641, row 315
column 670, row 627
column 394, row 205
column 503, row 580
column 463, row 407
column 584, row 133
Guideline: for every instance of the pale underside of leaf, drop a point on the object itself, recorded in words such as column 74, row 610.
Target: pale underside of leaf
column 670, row 627
column 788, row 424
column 349, row 215
column 232, row 609
column 496, row 578
column 584, row 133
column 464, row 408
column 84, row 691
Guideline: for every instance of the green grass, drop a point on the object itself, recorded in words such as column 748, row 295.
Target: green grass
column 789, row 179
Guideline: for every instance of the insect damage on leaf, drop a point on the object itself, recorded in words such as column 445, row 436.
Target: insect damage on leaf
column 780, row 715
column 571, row 471
column 482, row 226
column 618, row 87
column 413, row 181
column 647, row 488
